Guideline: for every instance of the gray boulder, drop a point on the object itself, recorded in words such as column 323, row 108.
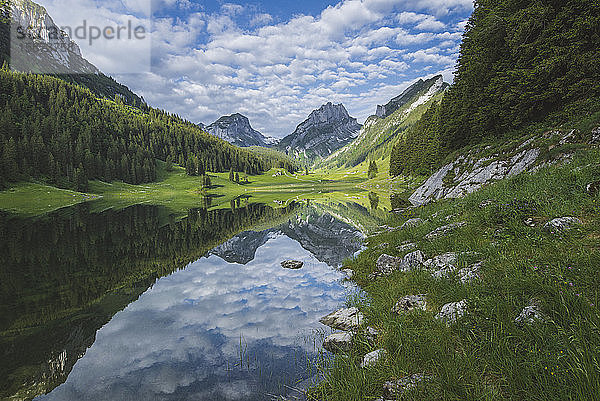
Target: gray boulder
column 444, row 230
column 395, row 389
column 453, row 311
column 562, row 224
column 530, row 314
column 372, row 358
column 339, row 342
column 410, row 303
column 387, row 264
column 344, row 319
column 292, row 264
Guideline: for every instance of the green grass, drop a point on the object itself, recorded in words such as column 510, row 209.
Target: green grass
column 486, row 355
column 180, row 192
column 32, row 199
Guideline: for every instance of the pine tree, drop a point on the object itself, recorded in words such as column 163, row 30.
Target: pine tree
column 372, row 169
column 231, row 175
column 237, row 178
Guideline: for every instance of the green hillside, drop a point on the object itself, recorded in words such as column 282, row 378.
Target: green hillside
column 377, row 134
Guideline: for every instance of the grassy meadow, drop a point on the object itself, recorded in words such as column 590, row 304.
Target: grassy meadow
column 486, row 355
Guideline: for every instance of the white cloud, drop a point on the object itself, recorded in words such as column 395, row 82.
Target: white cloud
column 210, row 64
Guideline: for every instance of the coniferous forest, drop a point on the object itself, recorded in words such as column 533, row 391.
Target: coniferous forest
column 521, row 62
column 63, row 134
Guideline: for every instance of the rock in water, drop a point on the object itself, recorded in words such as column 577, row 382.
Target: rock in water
column 344, row 319
column 292, row 264
column 339, row 342
column 372, row 358
column 562, row 224
column 453, row 311
column 410, row 303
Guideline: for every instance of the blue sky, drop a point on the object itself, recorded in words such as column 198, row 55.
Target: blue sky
column 276, row 61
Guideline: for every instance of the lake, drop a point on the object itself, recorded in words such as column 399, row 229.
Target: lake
column 145, row 304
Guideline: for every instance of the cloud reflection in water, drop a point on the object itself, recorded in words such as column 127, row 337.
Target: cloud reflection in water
column 181, row 339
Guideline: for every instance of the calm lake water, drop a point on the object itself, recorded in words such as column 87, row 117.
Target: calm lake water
column 140, row 304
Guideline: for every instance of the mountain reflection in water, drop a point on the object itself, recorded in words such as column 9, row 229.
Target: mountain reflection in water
column 232, row 325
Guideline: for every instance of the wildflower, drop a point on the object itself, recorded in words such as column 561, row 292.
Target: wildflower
column 570, row 284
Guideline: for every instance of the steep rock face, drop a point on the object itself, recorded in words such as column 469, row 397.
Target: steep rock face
column 236, row 130
column 388, row 124
column 431, row 86
column 322, row 133
column 38, row 44
column 242, row 248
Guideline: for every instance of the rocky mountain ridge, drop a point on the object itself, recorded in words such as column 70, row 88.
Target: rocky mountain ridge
column 324, row 131
column 382, row 129
column 236, row 129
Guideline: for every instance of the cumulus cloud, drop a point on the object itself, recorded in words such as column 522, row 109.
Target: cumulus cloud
column 241, row 59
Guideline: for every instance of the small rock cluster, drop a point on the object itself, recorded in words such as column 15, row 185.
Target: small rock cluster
column 444, row 230
column 530, row 314
column 394, row 389
column 387, row 264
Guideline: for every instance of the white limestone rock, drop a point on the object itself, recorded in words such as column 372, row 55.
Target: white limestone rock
column 452, row 311
column 339, row 342
column 344, row 319
column 373, row 358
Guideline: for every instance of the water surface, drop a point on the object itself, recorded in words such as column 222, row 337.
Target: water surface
column 138, row 304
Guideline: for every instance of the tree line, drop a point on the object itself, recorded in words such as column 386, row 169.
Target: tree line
column 64, row 134
column 520, row 62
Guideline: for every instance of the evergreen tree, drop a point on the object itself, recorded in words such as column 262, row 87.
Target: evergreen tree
column 372, row 169
column 231, row 175
column 237, row 178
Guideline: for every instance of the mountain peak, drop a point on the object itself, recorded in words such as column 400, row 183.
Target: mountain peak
column 236, row 129
column 324, row 131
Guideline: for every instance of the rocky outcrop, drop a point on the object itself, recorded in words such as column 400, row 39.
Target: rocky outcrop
column 427, row 88
column 324, row 131
column 236, row 129
column 45, row 47
column 344, row 319
column 562, row 224
column 242, row 248
column 470, row 174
